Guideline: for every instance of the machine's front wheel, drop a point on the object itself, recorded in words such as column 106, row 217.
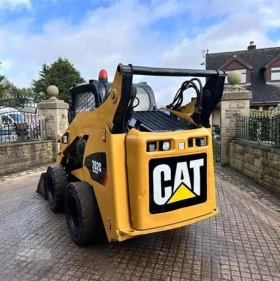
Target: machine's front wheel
column 82, row 214
column 56, row 182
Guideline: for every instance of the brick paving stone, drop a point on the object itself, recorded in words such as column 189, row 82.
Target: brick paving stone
column 241, row 243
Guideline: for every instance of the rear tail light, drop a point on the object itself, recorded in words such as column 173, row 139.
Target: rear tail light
column 160, row 145
column 151, row 146
column 197, row 142
column 200, row 142
column 165, row 145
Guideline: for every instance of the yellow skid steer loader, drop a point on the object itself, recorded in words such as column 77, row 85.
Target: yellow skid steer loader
column 130, row 168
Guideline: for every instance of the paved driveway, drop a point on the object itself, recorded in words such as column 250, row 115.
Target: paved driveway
column 241, row 243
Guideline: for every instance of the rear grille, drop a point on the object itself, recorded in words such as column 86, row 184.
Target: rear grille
column 156, row 120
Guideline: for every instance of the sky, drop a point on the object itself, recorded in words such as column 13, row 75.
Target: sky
column 97, row 34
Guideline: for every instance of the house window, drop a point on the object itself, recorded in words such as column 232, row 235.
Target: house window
column 243, row 73
column 275, row 73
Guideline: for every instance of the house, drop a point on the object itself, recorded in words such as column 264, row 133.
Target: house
column 260, row 69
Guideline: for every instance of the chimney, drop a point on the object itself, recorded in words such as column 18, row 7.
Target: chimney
column 252, row 46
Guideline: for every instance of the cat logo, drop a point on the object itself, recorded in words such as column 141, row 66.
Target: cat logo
column 177, row 182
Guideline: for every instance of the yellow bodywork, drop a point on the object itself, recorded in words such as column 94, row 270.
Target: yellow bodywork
column 124, row 199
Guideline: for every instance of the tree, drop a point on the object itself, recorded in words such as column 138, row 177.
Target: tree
column 16, row 93
column 60, row 73
column 3, row 86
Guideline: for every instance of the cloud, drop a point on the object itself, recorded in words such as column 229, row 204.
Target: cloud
column 6, row 65
column 13, row 4
column 271, row 18
column 136, row 32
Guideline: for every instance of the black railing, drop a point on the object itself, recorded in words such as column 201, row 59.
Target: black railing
column 19, row 121
column 260, row 128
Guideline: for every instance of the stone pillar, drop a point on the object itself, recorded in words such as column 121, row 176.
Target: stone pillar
column 54, row 112
column 235, row 100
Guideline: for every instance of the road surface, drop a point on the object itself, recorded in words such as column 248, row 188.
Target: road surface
column 241, row 243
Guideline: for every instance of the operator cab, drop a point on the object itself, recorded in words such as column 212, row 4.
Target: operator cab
column 139, row 110
column 89, row 96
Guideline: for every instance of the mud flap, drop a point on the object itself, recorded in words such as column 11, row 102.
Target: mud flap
column 41, row 186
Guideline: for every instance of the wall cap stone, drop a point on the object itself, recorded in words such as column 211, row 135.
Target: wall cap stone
column 234, row 78
column 236, row 94
column 53, row 104
column 52, row 91
column 264, row 147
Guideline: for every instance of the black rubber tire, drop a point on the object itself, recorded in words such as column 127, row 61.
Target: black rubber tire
column 56, row 182
column 82, row 213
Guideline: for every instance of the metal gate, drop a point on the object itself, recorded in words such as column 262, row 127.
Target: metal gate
column 19, row 120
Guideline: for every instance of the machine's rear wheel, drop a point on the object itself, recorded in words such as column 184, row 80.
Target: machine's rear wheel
column 56, row 182
column 82, row 213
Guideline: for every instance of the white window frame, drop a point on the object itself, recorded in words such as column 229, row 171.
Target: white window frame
column 275, row 73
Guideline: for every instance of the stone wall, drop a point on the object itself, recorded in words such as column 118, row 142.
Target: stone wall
column 16, row 157
column 259, row 162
